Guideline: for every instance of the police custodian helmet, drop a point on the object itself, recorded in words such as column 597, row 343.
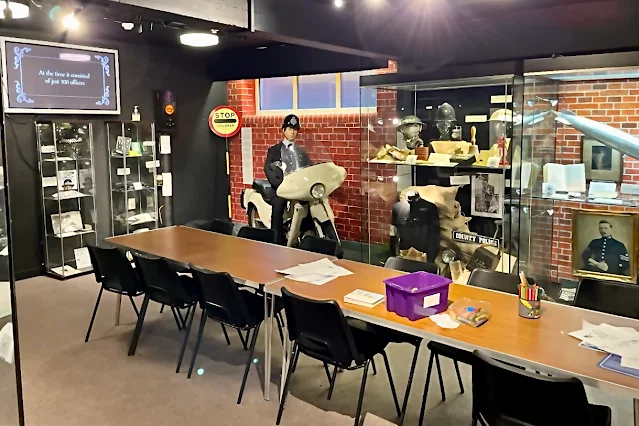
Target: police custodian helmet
column 291, row 121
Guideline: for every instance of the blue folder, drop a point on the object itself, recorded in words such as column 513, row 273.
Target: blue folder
column 613, row 363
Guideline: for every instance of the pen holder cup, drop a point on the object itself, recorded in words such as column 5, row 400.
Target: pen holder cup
column 530, row 309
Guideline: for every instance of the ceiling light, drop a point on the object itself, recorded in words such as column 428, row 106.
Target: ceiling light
column 16, row 10
column 70, row 22
column 338, row 3
column 199, row 39
column 127, row 25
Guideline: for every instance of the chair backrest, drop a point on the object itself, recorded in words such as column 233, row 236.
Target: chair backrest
column 114, row 270
column 503, row 393
column 221, row 226
column 320, row 329
column 609, row 297
column 494, row 280
column 319, row 245
column 408, row 265
column 258, row 234
column 161, row 283
column 221, row 297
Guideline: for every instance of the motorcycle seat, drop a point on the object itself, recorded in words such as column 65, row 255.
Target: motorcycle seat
column 264, row 188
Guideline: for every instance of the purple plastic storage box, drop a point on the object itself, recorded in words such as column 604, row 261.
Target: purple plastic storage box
column 417, row 295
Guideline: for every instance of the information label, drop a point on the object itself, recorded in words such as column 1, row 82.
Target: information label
column 474, row 239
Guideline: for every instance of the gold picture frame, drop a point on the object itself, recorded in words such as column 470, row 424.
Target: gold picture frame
column 605, row 245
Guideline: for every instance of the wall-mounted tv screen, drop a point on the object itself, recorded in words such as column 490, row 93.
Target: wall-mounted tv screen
column 39, row 77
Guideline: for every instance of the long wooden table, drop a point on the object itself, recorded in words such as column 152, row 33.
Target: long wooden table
column 249, row 262
column 542, row 344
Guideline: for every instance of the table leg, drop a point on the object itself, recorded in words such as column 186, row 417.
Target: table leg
column 269, row 359
column 267, row 355
column 118, row 305
column 286, row 359
column 635, row 403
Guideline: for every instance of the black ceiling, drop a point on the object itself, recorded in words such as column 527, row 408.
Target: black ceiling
column 102, row 21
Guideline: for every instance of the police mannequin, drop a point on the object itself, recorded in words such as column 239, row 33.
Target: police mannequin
column 275, row 175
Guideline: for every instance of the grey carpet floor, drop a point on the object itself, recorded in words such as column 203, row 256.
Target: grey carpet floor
column 69, row 382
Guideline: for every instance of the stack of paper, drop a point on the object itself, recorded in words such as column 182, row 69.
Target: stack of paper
column 318, row 272
column 364, row 298
column 621, row 341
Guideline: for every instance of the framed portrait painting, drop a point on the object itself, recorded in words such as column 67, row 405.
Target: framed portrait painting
column 601, row 161
column 487, row 196
column 605, row 244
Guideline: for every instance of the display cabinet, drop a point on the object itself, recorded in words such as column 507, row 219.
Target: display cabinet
column 68, row 195
column 437, row 168
column 133, row 176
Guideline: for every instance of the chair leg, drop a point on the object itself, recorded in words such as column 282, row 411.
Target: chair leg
column 441, row 379
column 297, row 356
column 138, row 327
column 430, row 370
column 360, row 400
column 332, row 386
column 95, row 311
column 279, row 328
column 249, row 361
column 177, row 320
column 327, row 371
column 135, row 308
column 182, row 320
column 186, row 338
column 474, row 423
column 374, row 367
column 287, row 383
column 461, row 384
column 162, row 308
column 226, row 335
column 392, row 384
column 411, row 374
column 197, row 343
column 244, row 342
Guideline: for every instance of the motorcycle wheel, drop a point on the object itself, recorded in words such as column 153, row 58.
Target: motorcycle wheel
column 254, row 218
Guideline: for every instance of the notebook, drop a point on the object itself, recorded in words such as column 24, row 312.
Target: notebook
column 364, row 298
column 613, row 363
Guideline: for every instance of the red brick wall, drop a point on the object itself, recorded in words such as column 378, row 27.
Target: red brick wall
column 614, row 102
column 340, row 135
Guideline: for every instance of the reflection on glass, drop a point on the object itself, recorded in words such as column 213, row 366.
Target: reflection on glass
column 350, row 94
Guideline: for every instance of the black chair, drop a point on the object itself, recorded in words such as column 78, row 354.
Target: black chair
column 505, row 395
column 163, row 285
column 493, row 280
column 408, row 265
column 115, row 274
column 320, row 245
column 221, row 300
column 216, row 225
column 609, row 297
column 258, row 234
column 319, row 330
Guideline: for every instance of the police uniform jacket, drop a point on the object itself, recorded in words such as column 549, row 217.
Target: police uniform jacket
column 609, row 250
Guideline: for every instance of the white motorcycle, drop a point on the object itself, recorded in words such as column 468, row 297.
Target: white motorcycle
column 310, row 176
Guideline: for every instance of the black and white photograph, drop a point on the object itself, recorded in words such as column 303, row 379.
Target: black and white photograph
column 604, row 245
column 487, row 195
column 601, row 161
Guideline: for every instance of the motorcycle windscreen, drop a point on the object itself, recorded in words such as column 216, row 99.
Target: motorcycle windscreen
column 303, row 154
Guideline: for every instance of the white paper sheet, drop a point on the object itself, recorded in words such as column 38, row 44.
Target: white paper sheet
column 247, row 155
column 622, row 341
column 165, row 144
column 444, row 321
column 318, row 272
column 167, row 184
column 82, row 258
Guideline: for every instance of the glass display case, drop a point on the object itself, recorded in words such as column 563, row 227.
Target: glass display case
column 584, row 145
column 438, row 160
column 68, row 196
column 133, row 176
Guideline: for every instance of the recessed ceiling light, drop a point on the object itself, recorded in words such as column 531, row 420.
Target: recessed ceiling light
column 261, row 47
column 338, row 3
column 199, row 39
column 17, row 10
column 128, row 25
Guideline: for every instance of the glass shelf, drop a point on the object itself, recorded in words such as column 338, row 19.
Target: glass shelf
column 71, row 235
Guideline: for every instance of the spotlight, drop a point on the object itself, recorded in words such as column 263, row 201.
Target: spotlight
column 14, row 9
column 199, row 39
column 70, row 22
column 338, row 3
column 127, row 25
column 140, row 29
